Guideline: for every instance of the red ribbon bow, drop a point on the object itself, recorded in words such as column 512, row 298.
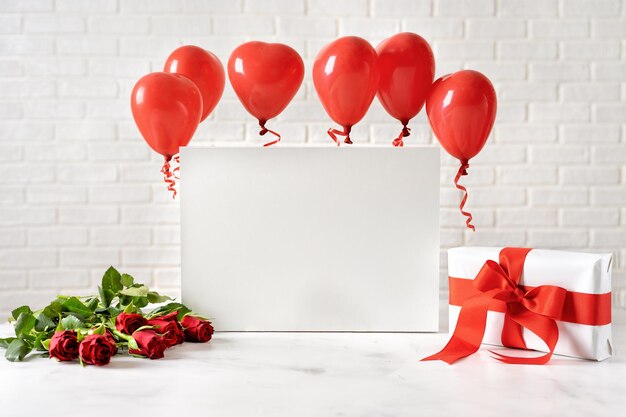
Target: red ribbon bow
column 536, row 309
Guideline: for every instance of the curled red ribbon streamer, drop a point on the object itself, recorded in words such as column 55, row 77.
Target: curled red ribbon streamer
column 398, row 142
column 265, row 130
column 177, row 169
column 170, row 177
column 333, row 133
column 536, row 309
column 463, row 171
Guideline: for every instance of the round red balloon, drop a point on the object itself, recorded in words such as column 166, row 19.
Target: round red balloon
column 345, row 75
column 204, row 69
column 461, row 109
column 407, row 70
column 265, row 77
column 167, row 109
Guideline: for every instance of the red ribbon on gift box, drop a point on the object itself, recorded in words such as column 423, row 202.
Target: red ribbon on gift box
column 496, row 288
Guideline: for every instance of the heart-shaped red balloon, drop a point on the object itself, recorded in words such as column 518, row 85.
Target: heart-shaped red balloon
column 265, row 77
column 204, row 69
column 461, row 109
column 167, row 109
column 407, row 69
column 345, row 75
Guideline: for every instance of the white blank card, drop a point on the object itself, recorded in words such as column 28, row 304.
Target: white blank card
column 311, row 238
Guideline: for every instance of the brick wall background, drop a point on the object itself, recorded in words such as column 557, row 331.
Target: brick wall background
column 79, row 189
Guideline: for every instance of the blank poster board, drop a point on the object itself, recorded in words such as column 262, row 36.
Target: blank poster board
column 311, row 238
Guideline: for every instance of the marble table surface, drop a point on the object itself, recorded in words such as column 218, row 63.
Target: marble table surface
column 316, row 375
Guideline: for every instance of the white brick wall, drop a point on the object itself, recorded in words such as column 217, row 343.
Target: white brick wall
column 79, row 190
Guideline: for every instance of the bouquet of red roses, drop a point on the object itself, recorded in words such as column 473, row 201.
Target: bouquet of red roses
column 94, row 328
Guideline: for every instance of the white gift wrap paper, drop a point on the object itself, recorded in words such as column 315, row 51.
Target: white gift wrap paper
column 578, row 272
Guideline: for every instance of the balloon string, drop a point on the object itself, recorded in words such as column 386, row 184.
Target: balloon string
column 463, row 171
column 403, row 134
column 265, row 130
column 333, row 133
column 169, row 178
column 177, row 169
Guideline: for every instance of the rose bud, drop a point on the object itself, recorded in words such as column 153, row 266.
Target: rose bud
column 64, row 345
column 97, row 349
column 171, row 331
column 196, row 330
column 129, row 323
column 151, row 345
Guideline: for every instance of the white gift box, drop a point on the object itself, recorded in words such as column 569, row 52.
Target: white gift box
column 290, row 238
column 576, row 272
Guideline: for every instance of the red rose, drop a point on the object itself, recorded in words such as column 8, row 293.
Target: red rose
column 64, row 345
column 173, row 316
column 112, row 340
column 97, row 349
column 129, row 323
column 197, row 330
column 150, row 344
column 171, row 331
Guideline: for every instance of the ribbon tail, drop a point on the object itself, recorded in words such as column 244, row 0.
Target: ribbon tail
column 513, row 360
column 398, row 142
column 264, row 130
column 544, row 327
column 512, row 335
column 333, row 133
column 169, row 178
column 469, row 331
column 463, row 171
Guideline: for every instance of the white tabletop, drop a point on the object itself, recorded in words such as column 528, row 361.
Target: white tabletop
column 314, row 374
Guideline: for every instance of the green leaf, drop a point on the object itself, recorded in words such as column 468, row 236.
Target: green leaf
column 168, row 308
column 132, row 344
column 53, row 310
column 46, row 344
column 139, row 291
column 92, row 304
column 24, row 324
column 125, row 301
column 106, row 296
column 141, row 302
column 99, row 330
column 23, row 309
column 113, row 312
column 74, row 305
column 127, row 280
column 71, row 323
column 17, row 350
column 155, row 297
column 44, row 323
column 146, row 327
column 112, row 280
column 130, row 308
column 38, row 344
column 4, row 343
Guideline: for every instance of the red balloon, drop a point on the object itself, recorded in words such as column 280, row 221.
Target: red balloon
column 265, row 77
column 461, row 109
column 345, row 74
column 204, row 69
column 167, row 109
column 407, row 70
